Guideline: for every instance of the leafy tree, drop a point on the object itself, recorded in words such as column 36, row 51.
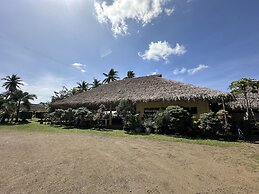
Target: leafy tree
column 112, row 75
column 245, row 86
column 82, row 86
column 59, row 95
column 23, row 98
column 126, row 111
column 130, row 74
column 96, row 83
column 174, row 119
column 12, row 83
column 82, row 116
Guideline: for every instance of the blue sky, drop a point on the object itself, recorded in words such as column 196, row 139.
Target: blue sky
column 55, row 43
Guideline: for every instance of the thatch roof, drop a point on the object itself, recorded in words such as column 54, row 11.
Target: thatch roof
column 38, row 108
column 140, row 89
column 239, row 102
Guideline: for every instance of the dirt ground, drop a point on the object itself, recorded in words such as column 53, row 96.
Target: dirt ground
column 92, row 163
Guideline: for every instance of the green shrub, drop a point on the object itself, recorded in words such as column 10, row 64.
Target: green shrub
column 149, row 125
column 131, row 121
column 25, row 115
column 208, row 124
column 216, row 126
column 173, row 120
column 225, row 129
column 83, row 117
column 68, row 116
column 99, row 116
column 40, row 115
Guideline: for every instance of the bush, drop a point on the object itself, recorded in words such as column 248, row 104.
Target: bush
column 40, row 115
column 25, row 115
column 100, row 115
column 68, row 116
column 173, row 120
column 208, row 124
column 214, row 126
column 131, row 121
column 149, row 126
column 83, row 117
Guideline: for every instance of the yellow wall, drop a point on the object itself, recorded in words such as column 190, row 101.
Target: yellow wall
column 202, row 106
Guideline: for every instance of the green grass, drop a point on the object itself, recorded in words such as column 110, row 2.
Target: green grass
column 36, row 127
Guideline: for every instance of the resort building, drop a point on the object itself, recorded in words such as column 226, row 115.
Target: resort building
column 149, row 93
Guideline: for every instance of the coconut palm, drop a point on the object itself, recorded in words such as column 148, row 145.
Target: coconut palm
column 83, row 86
column 96, row 83
column 23, row 98
column 111, row 76
column 12, row 83
column 130, row 74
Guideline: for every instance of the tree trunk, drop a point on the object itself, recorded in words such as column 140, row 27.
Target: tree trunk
column 17, row 111
column 225, row 116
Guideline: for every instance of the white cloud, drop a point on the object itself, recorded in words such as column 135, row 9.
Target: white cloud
column 79, row 66
column 120, row 11
column 169, row 11
column 197, row 69
column 179, row 71
column 162, row 50
column 191, row 71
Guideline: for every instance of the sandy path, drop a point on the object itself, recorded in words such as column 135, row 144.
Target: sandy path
column 89, row 163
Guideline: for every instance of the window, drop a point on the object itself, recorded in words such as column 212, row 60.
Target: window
column 150, row 111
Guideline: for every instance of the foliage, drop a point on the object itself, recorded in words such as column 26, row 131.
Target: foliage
column 59, row 95
column 25, row 115
column 208, row 124
column 100, row 115
column 12, row 83
column 96, row 83
column 40, row 115
column 83, row 117
column 224, row 120
column 131, row 121
column 245, row 86
column 130, row 74
column 173, row 120
column 68, row 116
column 82, row 86
column 149, row 126
column 112, row 75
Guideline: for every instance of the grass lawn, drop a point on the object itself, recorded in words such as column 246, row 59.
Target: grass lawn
column 37, row 127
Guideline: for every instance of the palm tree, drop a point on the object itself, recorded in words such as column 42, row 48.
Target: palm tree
column 130, row 74
column 12, row 83
column 96, row 83
column 83, row 86
column 111, row 76
column 22, row 98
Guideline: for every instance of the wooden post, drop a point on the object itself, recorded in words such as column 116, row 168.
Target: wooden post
column 110, row 116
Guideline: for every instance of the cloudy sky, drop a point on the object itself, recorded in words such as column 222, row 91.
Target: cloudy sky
column 55, row 43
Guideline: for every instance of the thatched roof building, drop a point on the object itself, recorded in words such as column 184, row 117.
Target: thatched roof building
column 239, row 102
column 141, row 90
column 38, row 108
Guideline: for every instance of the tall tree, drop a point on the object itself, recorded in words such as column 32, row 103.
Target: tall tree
column 96, row 83
column 245, row 86
column 82, row 86
column 22, row 98
column 112, row 75
column 12, row 83
column 130, row 74
column 58, row 95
